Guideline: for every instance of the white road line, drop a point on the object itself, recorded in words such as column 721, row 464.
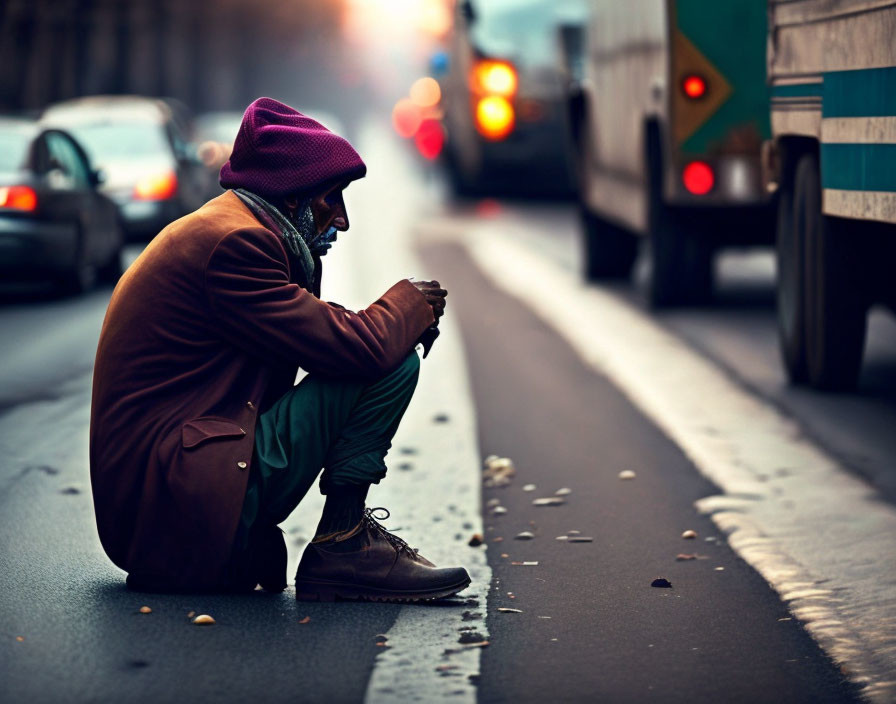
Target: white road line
column 822, row 538
column 437, row 501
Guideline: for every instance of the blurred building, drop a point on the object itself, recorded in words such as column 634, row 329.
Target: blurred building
column 212, row 55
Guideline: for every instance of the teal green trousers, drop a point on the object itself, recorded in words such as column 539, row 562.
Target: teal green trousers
column 337, row 430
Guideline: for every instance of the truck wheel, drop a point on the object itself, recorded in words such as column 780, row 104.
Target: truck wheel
column 835, row 309
column 609, row 250
column 790, row 255
column 681, row 258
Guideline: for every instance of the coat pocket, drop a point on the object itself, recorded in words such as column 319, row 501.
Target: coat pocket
column 200, row 430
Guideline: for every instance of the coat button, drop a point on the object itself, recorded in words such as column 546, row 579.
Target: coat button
column 241, row 465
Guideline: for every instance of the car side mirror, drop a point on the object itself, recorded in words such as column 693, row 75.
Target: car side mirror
column 97, row 177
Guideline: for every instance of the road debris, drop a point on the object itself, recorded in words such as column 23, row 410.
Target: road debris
column 499, row 511
column 145, row 610
column 21, row 639
column 627, row 474
column 689, row 534
column 529, row 487
column 525, row 535
column 681, row 557
column 527, row 563
column 549, row 501
column 719, row 569
column 498, row 471
column 504, row 555
column 545, row 617
column 562, row 537
column 499, row 539
column 565, row 491
column 573, row 532
column 470, row 637
column 508, row 610
column 662, row 583
column 475, row 540
column 580, row 539
column 204, row 620
column 305, row 620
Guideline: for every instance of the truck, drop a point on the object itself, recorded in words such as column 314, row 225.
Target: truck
column 832, row 161
column 667, row 125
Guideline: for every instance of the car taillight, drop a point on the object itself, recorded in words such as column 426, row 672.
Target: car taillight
column 698, row 178
column 495, row 117
column 494, row 78
column 18, row 198
column 694, row 86
column 430, row 139
column 160, row 186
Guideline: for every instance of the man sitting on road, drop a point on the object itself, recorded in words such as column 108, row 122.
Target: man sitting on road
column 200, row 444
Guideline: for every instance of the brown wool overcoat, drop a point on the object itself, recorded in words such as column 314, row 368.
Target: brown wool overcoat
column 203, row 332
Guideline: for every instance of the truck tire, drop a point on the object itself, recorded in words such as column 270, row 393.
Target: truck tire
column 681, row 260
column 791, row 306
column 835, row 308
column 609, row 251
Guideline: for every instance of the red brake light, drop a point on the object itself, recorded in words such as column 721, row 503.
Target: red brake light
column 159, row 186
column 429, row 139
column 694, row 86
column 18, row 198
column 698, row 178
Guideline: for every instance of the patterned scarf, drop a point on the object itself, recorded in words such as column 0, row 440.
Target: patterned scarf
column 296, row 243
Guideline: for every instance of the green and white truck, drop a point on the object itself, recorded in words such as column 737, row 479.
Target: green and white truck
column 832, row 160
column 668, row 124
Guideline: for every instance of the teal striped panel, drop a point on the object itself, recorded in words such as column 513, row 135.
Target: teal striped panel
column 869, row 92
column 859, row 167
column 797, row 90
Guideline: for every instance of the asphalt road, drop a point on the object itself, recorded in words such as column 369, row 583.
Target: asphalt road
column 716, row 635
column 592, row 627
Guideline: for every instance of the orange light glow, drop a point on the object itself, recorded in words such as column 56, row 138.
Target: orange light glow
column 434, row 17
column 425, row 92
column 698, row 178
column 430, row 139
column 494, row 117
column 494, row 78
column 159, row 186
column 694, row 87
column 406, row 118
column 18, row 198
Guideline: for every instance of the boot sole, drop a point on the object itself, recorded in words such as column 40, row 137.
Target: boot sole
column 315, row 590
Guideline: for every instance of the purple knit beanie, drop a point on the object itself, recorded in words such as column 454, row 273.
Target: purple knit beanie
column 279, row 151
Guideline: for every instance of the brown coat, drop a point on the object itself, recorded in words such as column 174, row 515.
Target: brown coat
column 203, row 331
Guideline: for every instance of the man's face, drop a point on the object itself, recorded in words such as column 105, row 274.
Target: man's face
column 328, row 209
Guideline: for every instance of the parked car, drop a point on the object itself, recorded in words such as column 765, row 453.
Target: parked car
column 54, row 223
column 503, row 97
column 831, row 157
column 143, row 147
column 668, row 123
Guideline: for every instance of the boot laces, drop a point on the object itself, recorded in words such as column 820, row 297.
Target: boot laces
column 370, row 518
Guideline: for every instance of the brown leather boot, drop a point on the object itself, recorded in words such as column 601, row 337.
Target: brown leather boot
column 386, row 568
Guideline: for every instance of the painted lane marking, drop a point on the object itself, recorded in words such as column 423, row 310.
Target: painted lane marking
column 822, row 538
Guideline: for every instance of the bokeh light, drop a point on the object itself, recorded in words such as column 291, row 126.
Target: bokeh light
column 426, row 92
column 430, row 138
column 406, row 118
column 494, row 117
column 494, row 78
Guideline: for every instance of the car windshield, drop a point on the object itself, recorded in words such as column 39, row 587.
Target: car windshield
column 116, row 141
column 503, row 27
column 13, row 149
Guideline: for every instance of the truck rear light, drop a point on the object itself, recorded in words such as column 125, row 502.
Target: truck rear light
column 18, row 198
column 494, row 78
column 698, row 178
column 694, row 86
column 159, row 186
column 495, row 117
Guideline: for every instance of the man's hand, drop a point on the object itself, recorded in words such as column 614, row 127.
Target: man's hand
column 435, row 296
